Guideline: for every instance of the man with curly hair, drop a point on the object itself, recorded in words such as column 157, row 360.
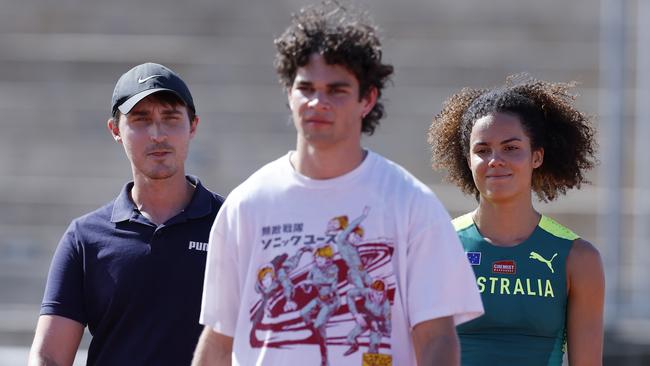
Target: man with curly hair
column 541, row 284
column 330, row 64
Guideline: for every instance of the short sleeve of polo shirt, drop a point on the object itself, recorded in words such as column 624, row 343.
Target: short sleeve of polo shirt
column 64, row 294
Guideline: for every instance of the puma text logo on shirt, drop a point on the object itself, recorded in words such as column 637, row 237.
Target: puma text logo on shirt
column 197, row 245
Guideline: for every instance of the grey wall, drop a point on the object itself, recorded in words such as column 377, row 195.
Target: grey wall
column 59, row 62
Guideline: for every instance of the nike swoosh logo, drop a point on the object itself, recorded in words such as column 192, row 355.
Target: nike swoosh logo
column 140, row 80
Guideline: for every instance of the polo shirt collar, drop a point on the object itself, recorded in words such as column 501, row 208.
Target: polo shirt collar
column 200, row 205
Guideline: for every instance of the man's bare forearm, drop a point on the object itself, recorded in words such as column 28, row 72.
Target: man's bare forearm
column 442, row 351
column 213, row 349
column 40, row 360
column 436, row 343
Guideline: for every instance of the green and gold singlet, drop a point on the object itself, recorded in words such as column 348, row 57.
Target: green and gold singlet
column 524, row 294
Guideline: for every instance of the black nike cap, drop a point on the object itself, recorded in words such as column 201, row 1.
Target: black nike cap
column 146, row 79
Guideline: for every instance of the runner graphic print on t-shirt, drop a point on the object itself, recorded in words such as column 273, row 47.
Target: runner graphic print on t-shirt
column 329, row 289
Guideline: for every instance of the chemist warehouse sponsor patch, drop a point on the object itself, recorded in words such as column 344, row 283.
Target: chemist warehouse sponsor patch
column 504, row 267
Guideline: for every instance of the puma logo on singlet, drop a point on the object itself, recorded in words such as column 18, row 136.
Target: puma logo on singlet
column 534, row 255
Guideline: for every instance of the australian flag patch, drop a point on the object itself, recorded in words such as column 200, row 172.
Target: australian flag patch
column 474, row 258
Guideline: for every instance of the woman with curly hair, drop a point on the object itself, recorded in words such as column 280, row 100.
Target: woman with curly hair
column 542, row 286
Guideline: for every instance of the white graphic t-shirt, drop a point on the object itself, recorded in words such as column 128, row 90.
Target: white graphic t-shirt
column 333, row 272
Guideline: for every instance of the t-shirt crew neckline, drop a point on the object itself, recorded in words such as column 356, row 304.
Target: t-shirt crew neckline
column 332, row 182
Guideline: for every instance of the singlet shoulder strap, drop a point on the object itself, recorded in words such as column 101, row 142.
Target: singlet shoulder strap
column 463, row 222
column 551, row 226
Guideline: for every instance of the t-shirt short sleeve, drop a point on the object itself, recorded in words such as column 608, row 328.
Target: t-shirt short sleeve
column 440, row 280
column 221, row 299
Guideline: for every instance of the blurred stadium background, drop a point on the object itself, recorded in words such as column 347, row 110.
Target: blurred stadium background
column 59, row 61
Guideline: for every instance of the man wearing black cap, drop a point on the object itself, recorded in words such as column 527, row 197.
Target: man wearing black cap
column 132, row 271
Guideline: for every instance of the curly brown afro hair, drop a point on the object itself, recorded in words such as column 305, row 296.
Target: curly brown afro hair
column 344, row 37
column 549, row 118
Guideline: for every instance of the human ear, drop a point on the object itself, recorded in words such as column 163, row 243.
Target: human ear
column 289, row 90
column 113, row 127
column 538, row 157
column 370, row 100
column 193, row 125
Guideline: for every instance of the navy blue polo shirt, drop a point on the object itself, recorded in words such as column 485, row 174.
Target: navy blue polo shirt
column 136, row 285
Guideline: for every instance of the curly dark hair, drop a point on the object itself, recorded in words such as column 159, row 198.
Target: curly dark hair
column 549, row 118
column 344, row 37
